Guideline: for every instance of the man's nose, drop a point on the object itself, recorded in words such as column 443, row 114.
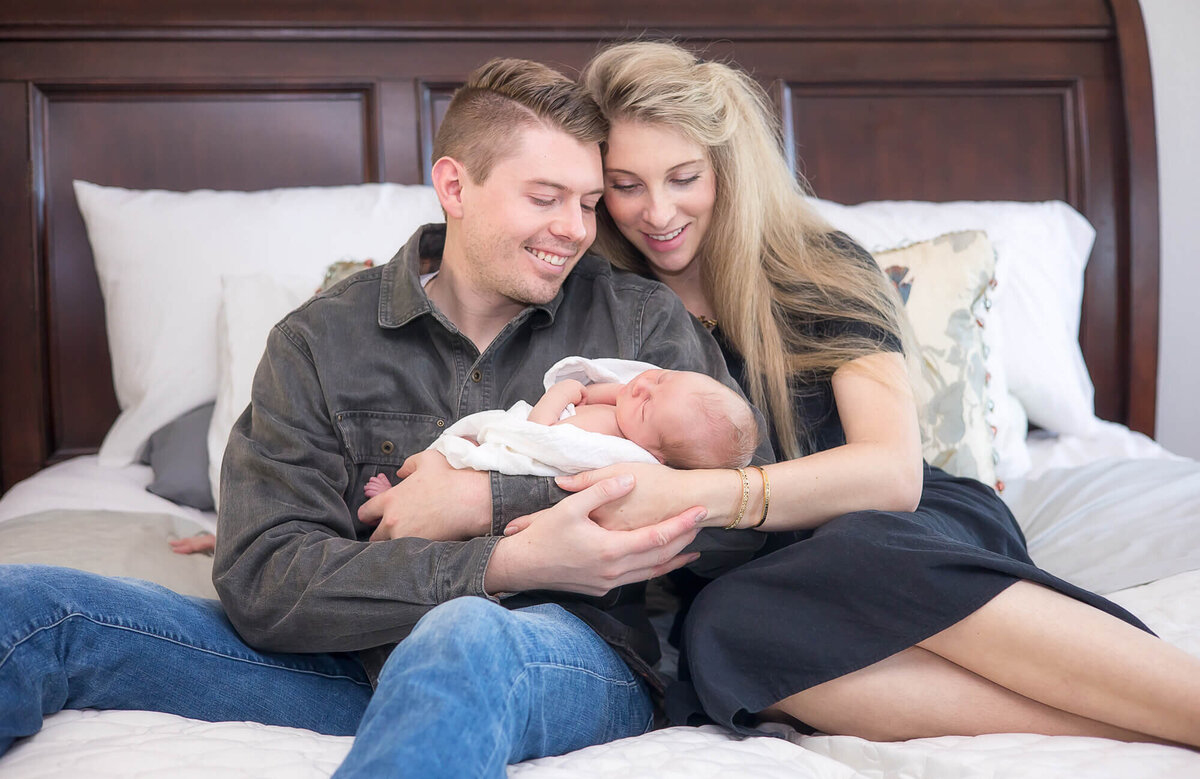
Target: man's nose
column 570, row 225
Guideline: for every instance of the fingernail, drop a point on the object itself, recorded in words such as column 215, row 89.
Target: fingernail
column 508, row 530
column 700, row 516
column 625, row 480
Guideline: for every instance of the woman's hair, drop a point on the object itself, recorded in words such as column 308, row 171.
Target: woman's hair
column 772, row 269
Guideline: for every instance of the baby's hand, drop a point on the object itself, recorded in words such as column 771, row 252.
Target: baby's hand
column 376, row 485
column 204, row 543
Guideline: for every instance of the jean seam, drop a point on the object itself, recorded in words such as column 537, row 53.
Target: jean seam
column 562, row 666
column 507, row 708
column 177, row 642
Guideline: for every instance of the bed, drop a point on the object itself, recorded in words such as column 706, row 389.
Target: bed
column 1031, row 121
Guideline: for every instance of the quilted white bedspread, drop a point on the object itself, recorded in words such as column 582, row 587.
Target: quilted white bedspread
column 145, row 744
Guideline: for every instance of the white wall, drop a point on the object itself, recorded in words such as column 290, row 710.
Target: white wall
column 1173, row 28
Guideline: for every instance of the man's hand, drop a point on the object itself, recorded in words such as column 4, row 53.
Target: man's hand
column 433, row 501
column 561, row 548
column 661, row 492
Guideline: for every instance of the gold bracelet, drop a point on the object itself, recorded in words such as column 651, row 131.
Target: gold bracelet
column 745, row 500
column 766, row 497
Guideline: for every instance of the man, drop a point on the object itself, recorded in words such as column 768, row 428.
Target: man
column 355, row 381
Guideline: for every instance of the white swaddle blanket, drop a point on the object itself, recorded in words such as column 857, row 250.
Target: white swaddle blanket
column 509, row 443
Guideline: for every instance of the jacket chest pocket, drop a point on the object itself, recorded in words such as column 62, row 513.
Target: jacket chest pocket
column 379, row 438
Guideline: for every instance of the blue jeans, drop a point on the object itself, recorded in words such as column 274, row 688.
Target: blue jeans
column 473, row 688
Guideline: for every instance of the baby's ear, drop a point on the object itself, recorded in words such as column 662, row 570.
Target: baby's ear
column 662, row 460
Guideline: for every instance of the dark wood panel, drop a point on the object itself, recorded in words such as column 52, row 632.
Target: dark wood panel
column 1137, row 100
column 169, row 138
column 23, row 418
column 522, row 14
column 435, row 98
column 918, row 143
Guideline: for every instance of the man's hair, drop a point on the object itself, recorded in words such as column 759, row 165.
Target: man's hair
column 504, row 96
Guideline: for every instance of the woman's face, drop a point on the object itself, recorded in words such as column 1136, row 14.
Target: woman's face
column 659, row 189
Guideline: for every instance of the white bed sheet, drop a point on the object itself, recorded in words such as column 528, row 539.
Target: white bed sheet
column 82, row 483
column 149, row 744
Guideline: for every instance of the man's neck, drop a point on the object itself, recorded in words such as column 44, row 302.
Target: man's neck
column 478, row 315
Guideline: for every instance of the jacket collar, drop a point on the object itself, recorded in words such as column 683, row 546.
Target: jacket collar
column 401, row 296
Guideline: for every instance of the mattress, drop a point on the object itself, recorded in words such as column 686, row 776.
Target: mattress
column 1148, row 494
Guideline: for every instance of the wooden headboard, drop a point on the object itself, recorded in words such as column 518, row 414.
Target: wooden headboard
column 925, row 99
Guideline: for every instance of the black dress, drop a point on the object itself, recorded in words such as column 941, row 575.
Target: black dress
column 816, row 605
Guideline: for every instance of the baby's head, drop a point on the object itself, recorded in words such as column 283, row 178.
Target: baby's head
column 687, row 420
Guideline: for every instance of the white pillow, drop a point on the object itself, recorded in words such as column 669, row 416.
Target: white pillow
column 1035, row 361
column 160, row 257
column 250, row 307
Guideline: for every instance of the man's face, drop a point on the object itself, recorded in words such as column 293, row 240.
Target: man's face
column 529, row 222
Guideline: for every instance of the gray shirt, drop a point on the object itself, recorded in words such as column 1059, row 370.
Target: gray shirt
column 366, row 374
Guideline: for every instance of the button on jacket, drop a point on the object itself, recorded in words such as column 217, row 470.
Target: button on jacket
column 370, row 372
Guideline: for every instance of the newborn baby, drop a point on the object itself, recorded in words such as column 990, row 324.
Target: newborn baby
column 683, row 419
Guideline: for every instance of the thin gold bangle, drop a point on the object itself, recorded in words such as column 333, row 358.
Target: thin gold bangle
column 766, row 497
column 745, row 500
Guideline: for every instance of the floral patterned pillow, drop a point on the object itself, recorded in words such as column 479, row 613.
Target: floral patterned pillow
column 945, row 284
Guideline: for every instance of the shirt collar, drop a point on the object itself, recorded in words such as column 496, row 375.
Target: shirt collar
column 401, row 296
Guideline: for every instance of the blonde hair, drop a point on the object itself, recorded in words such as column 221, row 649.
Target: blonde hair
column 727, row 439
column 501, row 97
column 772, row 268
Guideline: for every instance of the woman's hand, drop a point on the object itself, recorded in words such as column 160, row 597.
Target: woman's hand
column 660, row 492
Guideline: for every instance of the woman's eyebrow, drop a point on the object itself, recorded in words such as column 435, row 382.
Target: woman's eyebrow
column 669, row 170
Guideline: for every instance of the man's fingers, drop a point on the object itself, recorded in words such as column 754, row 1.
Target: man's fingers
column 599, row 494
column 666, row 533
column 372, row 511
column 517, row 525
column 406, row 470
column 645, row 574
column 578, row 482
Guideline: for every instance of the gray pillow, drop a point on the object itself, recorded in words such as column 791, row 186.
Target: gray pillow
column 178, row 455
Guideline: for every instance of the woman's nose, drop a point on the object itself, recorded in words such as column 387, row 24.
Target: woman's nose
column 659, row 212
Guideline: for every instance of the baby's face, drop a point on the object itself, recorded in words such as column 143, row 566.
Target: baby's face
column 658, row 403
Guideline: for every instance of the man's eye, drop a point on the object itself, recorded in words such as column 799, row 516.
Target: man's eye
column 540, row 202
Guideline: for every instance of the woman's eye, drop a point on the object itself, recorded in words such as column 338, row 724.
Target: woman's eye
column 623, row 187
column 686, row 181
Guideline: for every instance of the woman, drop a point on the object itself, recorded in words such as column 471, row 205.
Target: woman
column 893, row 601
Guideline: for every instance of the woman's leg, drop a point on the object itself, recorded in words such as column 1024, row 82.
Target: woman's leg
column 476, row 687
column 70, row 639
column 1068, row 655
column 917, row 694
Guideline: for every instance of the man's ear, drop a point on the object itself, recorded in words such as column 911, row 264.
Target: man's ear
column 449, row 176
